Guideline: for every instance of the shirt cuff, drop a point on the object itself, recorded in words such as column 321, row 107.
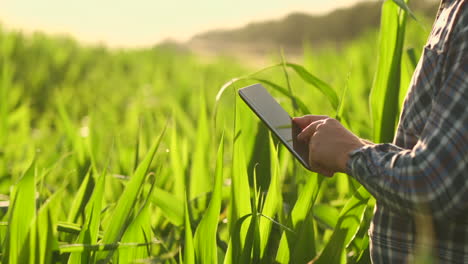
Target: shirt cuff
column 353, row 155
column 370, row 154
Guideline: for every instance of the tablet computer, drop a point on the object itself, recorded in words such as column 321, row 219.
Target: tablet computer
column 276, row 119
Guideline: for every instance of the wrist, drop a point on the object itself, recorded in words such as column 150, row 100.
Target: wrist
column 351, row 148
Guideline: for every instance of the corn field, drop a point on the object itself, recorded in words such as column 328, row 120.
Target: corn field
column 149, row 156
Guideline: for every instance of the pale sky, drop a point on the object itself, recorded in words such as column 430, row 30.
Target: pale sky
column 136, row 23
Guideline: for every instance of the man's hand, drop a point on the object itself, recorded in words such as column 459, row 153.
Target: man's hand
column 329, row 143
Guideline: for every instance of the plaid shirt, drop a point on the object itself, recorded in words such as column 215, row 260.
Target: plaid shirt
column 420, row 181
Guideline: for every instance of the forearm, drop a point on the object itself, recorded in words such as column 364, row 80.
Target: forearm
column 411, row 180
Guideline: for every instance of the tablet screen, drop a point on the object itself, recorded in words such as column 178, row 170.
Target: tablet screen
column 276, row 119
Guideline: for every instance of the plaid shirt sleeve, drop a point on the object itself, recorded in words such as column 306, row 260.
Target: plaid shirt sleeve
column 432, row 175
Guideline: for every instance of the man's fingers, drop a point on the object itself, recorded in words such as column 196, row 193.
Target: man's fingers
column 304, row 121
column 315, row 163
column 309, row 130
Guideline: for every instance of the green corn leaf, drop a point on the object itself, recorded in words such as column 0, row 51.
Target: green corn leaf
column 302, row 106
column 412, row 57
column 202, row 183
column 139, row 231
column 240, row 181
column 251, row 252
column 67, row 227
column 72, row 134
column 272, row 201
column 251, row 239
column 340, row 113
column 364, row 258
column 325, row 214
column 189, row 250
column 46, row 235
column 347, row 226
column 178, row 163
column 403, row 5
column 28, row 253
column 260, row 154
column 306, row 239
column 22, row 212
column 240, row 208
column 137, row 148
column 385, row 91
column 305, row 75
column 283, row 255
column 408, row 65
column 90, row 229
column 47, row 242
column 81, row 198
column 170, row 206
column 322, row 86
column 5, row 83
column 225, row 86
column 125, row 204
column 205, row 235
column 236, row 249
column 76, row 248
column 288, row 82
column 291, row 249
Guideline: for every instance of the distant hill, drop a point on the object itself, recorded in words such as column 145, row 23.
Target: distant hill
column 290, row 32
